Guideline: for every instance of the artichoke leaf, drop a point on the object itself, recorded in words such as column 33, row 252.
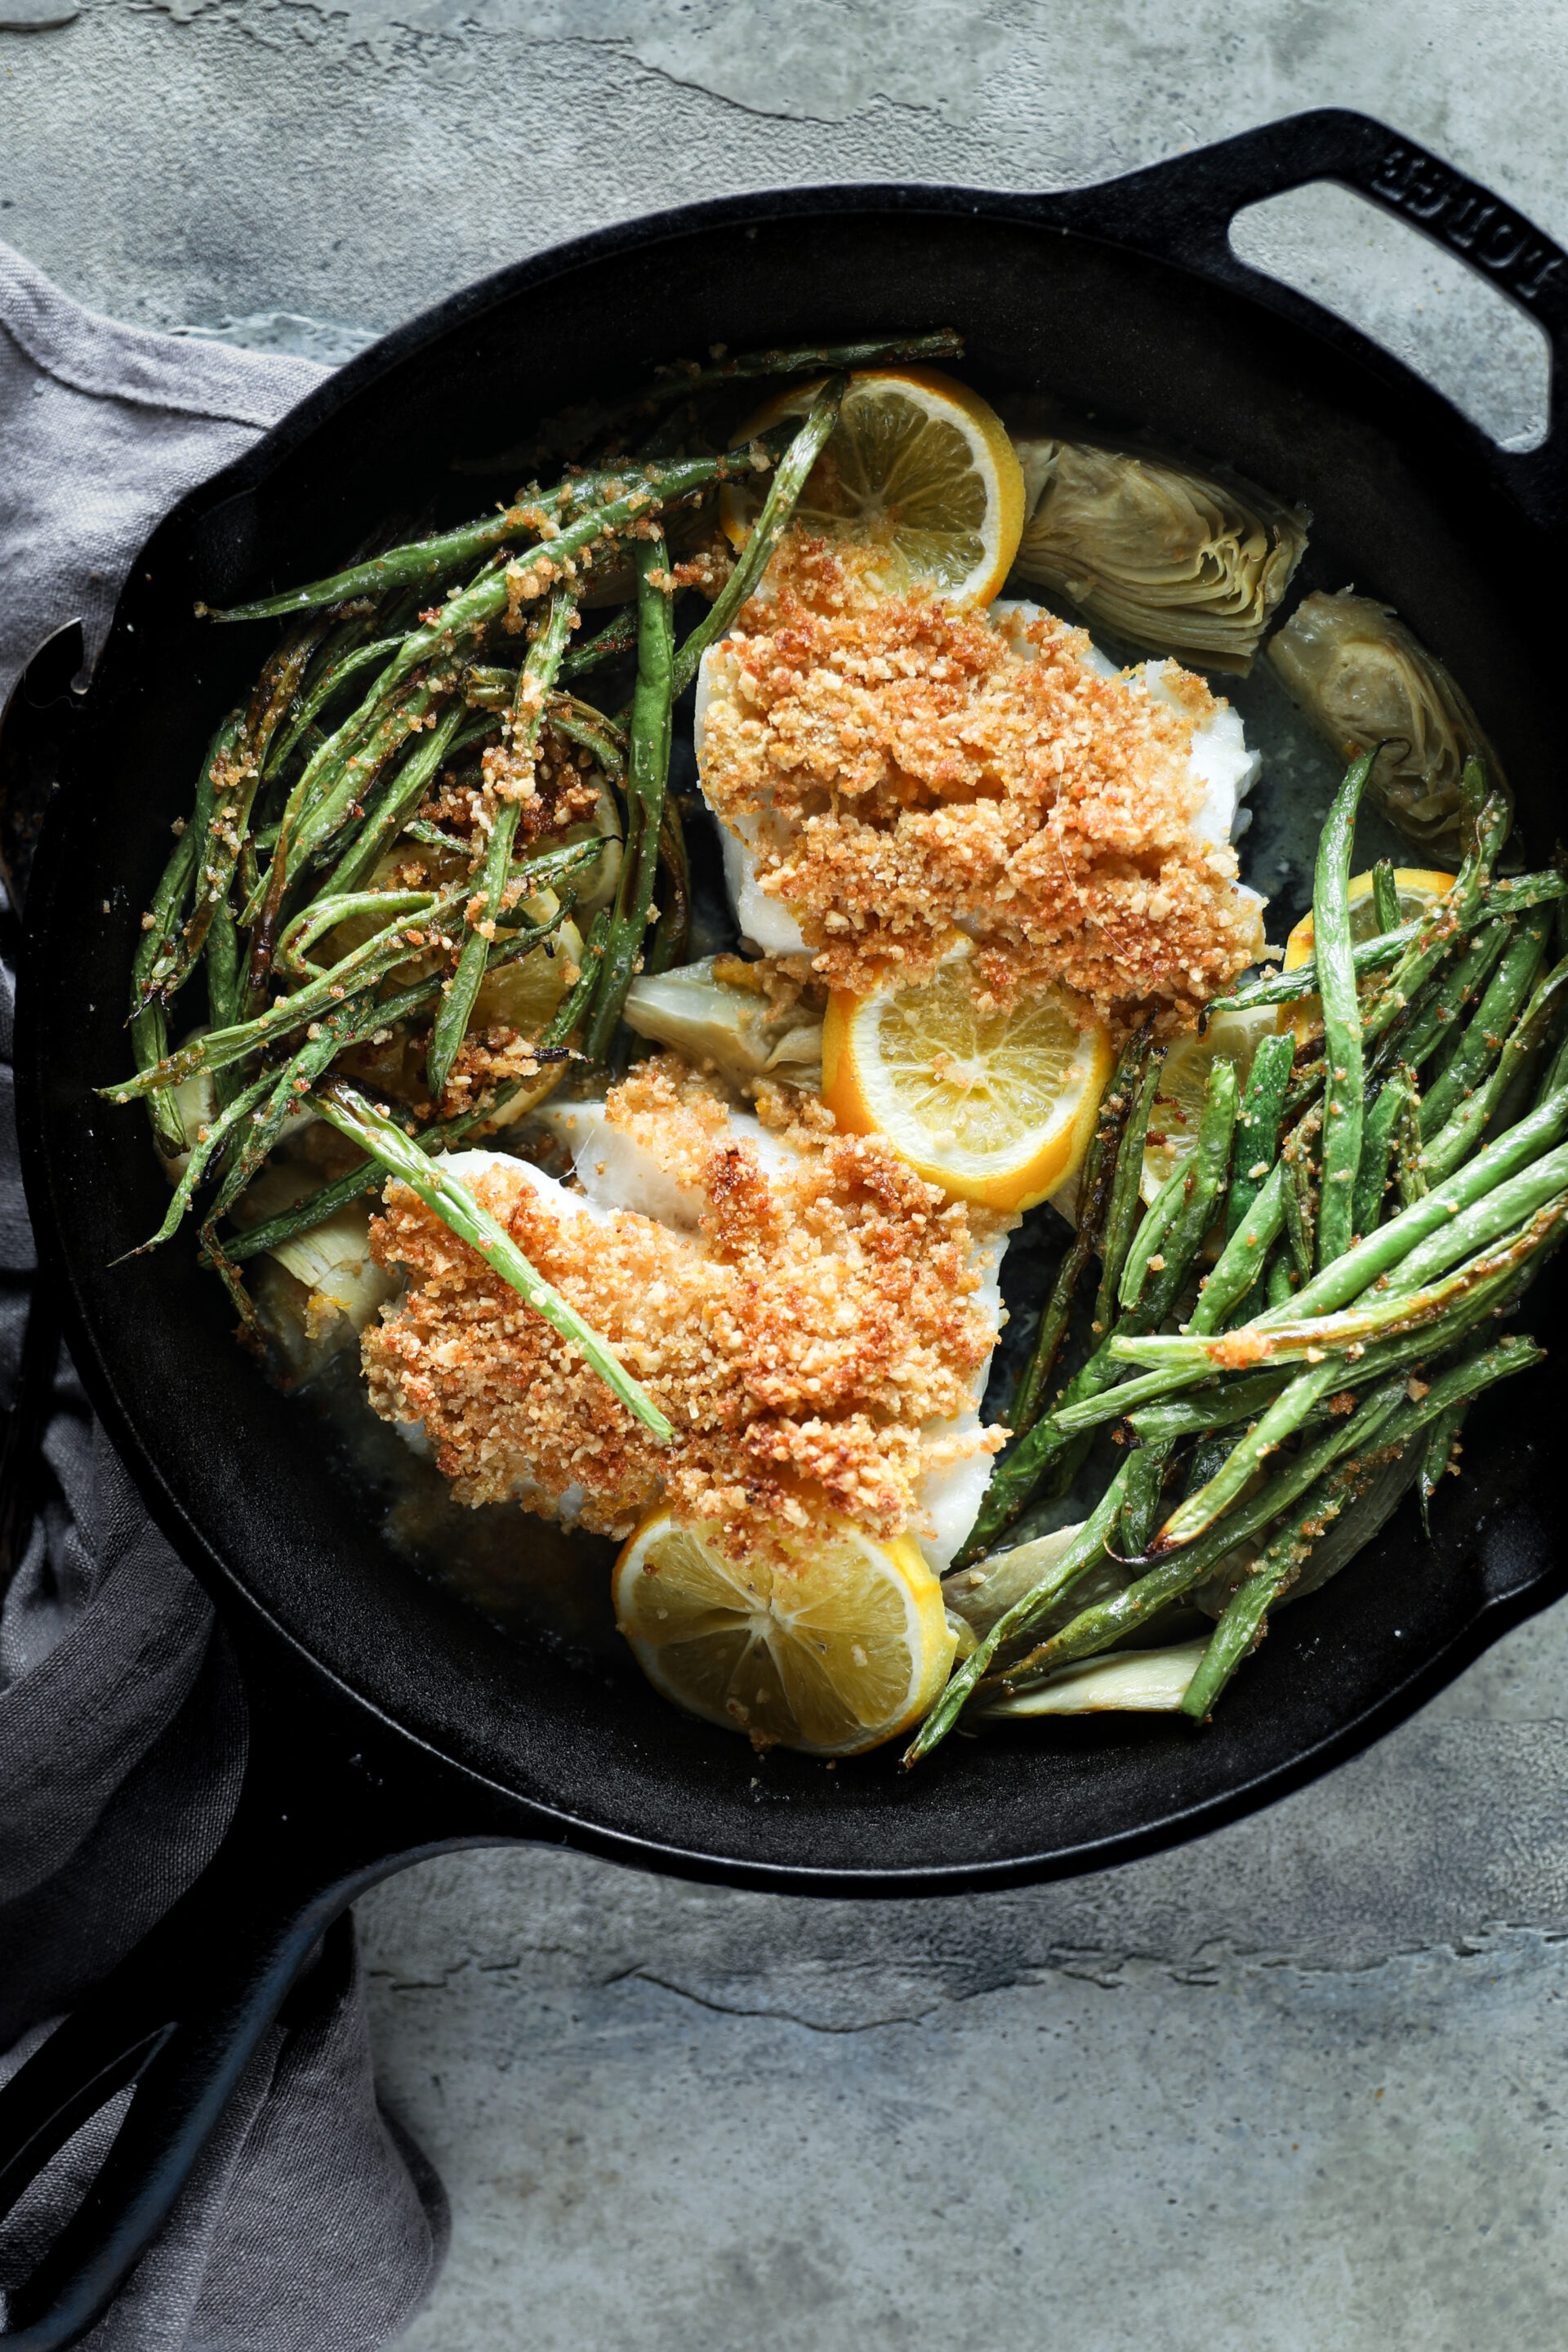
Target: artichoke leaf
column 981, row 1594
column 1128, row 1682
column 711, row 1020
column 1178, row 561
column 1364, row 679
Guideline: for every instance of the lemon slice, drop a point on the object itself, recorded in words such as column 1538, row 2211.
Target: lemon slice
column 998, row 1108
column 1419, row 888
column 918, row 468
column 843, row 1646
column 1178, row 1106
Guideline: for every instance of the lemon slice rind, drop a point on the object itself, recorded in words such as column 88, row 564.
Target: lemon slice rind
column 919, row 467
column 1230, row 1036
column 1419, row 888
column 842, row 1649
column 998, row 1107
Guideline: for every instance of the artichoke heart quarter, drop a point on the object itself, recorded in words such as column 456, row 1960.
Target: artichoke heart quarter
column 1364, row 679
column 1165, row 557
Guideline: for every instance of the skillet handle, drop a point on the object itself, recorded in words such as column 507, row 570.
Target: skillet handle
column 331, row 1802
column 1180, row 210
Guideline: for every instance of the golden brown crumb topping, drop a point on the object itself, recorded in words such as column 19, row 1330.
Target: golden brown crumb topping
column 912, row 774
column 797, row 1344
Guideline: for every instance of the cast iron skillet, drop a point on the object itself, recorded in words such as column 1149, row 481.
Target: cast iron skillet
column 389, row 1720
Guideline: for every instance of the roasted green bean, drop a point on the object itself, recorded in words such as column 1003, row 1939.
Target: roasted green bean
column 1047, row 1444
column 1095, row 1194
column 1085, row 1550
column 1245, row 1255
column 1281, row 1562
column 1464, row 1131
column 1298, row 1197
column 789, row 480
column 1454, row 915
column 648, row 772
column 328, row 1199
column 205, row 1148
column 149, row 1024
column 1097, row 1628
column 1378, row 1253
column 1343, row 1087
column 334, row 675
column 1148, row 1241
column 1401, row 1311
column 1453, row 990
column 1143, row 1487
column 457, row 1208
column 401, row 798
column 1482, row 1040
column 594, row 503
column 1206, row 1503
column 1433, row 934
column 1258, row 1124
column 1277, row 1567
column 1379, row 1138
column 617, row 637
column 1121, row 1214
column 1436, row 1453
column 490, row 893
column 672, row 929
column 1386, row 894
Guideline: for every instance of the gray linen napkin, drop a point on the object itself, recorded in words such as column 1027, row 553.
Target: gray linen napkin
column 312, row 2221
column 103, row 429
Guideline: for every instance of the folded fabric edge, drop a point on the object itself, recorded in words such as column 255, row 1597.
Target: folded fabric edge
column 182, row 374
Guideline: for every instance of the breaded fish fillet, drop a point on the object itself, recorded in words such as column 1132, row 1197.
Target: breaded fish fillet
column 891, row 772
column 814, row 1321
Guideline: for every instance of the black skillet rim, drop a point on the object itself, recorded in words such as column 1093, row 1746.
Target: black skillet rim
column 1492, row 1615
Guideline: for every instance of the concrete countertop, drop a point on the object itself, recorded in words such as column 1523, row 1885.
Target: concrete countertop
column 1297, row 2085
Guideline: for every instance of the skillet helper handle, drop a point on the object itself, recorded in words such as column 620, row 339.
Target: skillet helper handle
column 1181, row 211
column 330, row 1804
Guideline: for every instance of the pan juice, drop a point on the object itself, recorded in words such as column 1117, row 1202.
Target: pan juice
column 524, row 1573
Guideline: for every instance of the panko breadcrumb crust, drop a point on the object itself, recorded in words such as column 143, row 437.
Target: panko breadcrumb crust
column 914, row 776
column 797, row 1345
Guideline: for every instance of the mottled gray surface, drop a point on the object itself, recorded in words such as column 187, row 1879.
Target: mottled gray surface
column 1299, row 2085
column 198, row 161
column 1295, row 2087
